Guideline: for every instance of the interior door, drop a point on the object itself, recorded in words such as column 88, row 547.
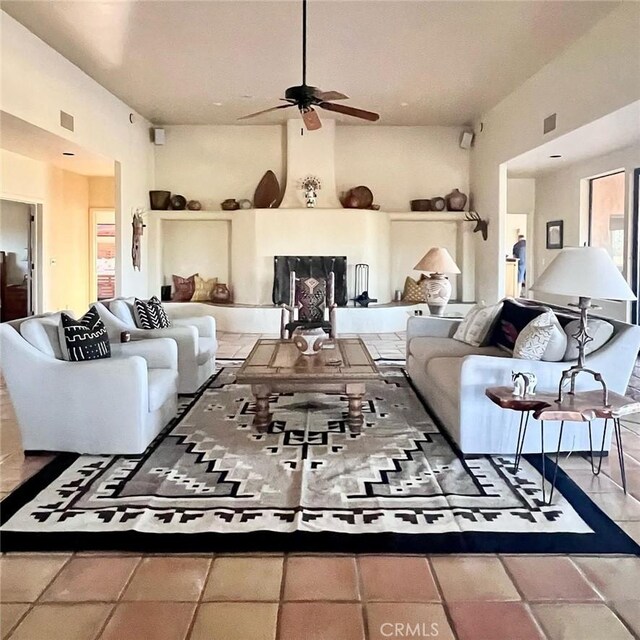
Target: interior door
column 635, row 247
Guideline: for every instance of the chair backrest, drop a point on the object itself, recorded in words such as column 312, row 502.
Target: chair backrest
column 43, row 332
column 122, row 308
column 311, row 296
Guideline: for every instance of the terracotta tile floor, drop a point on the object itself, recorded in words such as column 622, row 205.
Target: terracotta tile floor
column 93, row 596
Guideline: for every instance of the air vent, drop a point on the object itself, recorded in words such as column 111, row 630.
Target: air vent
column 549, row 123
column 66, row 120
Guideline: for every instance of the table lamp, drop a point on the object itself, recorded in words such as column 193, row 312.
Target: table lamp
column 585, row 273
column 437, row 262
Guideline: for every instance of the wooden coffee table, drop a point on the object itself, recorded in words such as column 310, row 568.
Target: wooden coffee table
column 277, row 366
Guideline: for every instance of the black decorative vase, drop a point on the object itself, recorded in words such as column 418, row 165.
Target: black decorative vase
column 160, row 200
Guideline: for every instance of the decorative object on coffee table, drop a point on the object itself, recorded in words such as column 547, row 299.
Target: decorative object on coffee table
column 230, row 204
column 437, row 261
column 267, row 194
column 276, row 366
column 160, row 200
column 194, row 205
column 585, row 273
column 309, row 340
column 481, row 225
column 456, row 200
column 555, row 234
column 178, row 202
column 422, row 204
column 438, row 204
column 581, row 407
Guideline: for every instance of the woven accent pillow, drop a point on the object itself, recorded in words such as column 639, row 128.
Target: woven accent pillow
column 203, row 291
column 514, row 317
column 415, row 290
column 599, row 330
column 533, row 340
column 83, row 339
column 477, row 324
column 183, row 288
column 150, row 314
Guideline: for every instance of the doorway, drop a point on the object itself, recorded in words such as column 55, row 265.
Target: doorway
column 102, row 254
column 17, row 259
column 635, row 247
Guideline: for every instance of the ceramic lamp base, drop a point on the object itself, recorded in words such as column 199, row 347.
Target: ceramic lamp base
column 438, row 289
column 309, row 341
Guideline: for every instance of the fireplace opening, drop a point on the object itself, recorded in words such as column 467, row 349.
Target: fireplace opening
column 306, row 266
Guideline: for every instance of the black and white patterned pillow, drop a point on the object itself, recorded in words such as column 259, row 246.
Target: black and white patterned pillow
column 150, row 314
column 84, row 339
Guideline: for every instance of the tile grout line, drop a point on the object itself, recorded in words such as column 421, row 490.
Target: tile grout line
column 285, row 562
column 443, row 601
column 364, row 613
column 197, row 603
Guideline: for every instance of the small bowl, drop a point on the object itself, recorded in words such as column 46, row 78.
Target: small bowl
column 421, row 205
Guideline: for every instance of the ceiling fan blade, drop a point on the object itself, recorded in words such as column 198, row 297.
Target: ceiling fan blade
column 311, row 119
column 350, row 111
column 329, row 95
column 259, row 113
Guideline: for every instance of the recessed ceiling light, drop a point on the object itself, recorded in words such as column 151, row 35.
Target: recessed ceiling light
column 556, row 155
column 68, row 153
column 217, row 104
column 404, row 104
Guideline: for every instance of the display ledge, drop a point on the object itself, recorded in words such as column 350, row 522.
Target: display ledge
column 383, row 318
column 402, row 216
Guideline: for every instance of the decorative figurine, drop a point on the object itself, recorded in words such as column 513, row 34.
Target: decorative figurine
column 524, row 383
column 310, row 185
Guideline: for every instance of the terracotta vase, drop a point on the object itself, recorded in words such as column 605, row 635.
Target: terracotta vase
column 456, row 200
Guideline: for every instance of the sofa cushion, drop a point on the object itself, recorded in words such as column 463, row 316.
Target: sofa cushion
column 162, row 384
column 513, row 318
column 206, row 350
column 183, row 288
column 42, row 333
column 123, row 310
column 203, row 289
column 150, row 314
column 425, row 348
column 534, row 339
column 599, row 330
column 477, row 324
column 415, row 290
column 84, row 339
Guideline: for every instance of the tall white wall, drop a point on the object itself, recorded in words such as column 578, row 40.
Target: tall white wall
column 211, row 163
column 564, row 195
column 37, row 82
column 596, row 75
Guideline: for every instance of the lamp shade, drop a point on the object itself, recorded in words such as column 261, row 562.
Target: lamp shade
column 437, row 260
column 587, row 272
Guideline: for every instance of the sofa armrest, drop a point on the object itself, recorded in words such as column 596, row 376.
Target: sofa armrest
column 185, row 337
column 159, row 353
column 205, row 325
column 431, row 326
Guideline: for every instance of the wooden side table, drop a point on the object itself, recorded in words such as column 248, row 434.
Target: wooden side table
column 584, row 406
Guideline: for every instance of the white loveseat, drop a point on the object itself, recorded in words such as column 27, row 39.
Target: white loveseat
column 452, row 376
column 115, row 405
column 195, row 337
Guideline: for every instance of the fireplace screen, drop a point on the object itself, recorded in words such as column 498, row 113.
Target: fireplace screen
column 305, row 266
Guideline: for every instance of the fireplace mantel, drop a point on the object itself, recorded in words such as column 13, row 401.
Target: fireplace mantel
column 255, row 236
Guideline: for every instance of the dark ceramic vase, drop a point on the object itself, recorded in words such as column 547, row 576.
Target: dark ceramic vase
column 456, row 200
column 437, row 204
column 160, row 200
column 178, row 203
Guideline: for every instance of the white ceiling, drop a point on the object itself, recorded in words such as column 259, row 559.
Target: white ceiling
column 31, row 141
column 172, row 61
column 616, row 130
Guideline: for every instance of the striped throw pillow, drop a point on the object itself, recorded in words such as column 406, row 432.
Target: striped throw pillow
column 150, row 314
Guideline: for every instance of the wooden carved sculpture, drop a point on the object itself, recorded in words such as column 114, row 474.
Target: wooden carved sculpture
column 138, row 228
column 481, row 225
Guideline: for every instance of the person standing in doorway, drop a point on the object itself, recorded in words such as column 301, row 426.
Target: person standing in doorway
column 520, row 252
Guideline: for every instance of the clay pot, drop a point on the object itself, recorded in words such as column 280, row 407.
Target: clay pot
column 178, row 202
column 230, row 204
column 421, row 205
column 194, row 205
column 437, row 204
column 456, row 200
column 159, row 200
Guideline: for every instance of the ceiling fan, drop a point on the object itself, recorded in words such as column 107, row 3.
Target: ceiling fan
column 306, row 97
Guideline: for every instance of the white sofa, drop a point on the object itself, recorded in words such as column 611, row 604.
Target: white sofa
column 114, row 405
column 195, row 337
column 452, row 377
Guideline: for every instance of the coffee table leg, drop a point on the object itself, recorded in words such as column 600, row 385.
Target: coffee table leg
column 355, row 419
column 262, row 417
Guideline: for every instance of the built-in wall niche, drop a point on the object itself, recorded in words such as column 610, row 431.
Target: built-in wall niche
column 196, row 246
column 411, row 239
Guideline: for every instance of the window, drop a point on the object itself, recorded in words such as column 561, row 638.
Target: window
column 606, row 215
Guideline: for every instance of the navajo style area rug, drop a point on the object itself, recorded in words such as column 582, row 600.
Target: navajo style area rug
column 209, row 482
